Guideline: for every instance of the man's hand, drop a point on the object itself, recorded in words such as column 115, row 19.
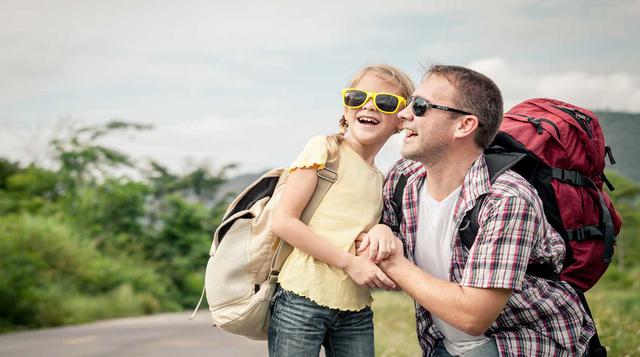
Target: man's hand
column 366, row 273
column 396, row 257
column 381, row 243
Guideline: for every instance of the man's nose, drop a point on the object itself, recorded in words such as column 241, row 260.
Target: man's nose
column 405, row 114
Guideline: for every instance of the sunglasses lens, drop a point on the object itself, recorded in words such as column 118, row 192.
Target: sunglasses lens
column 419, row 106
column 387, row 103
column 354, row 98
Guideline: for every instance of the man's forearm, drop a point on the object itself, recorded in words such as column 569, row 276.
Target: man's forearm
column 468, row 309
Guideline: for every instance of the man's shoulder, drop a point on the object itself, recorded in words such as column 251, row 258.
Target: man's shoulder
column 510, row 184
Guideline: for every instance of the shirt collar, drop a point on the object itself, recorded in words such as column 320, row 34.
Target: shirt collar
column 410, row 168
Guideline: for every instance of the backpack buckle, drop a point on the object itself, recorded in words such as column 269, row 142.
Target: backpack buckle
column 331, row 178
column 572, row 177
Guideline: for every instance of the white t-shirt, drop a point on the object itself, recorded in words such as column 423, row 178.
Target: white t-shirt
column 432, row 254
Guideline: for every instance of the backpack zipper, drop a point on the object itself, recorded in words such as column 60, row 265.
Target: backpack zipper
column 538, row 125
column 582, row 119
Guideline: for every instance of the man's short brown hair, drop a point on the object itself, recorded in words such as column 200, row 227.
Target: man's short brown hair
column 477, row 94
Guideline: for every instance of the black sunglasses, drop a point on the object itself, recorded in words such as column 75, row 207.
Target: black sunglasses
column 420, row 105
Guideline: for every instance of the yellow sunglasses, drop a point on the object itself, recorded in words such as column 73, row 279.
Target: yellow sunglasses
column 385, row 102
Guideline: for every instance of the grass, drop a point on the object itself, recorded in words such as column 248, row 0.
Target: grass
column 614, row 301
column 394, row 324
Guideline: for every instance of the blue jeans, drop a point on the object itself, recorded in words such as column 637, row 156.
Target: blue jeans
column 299, row 327
column 488, row 349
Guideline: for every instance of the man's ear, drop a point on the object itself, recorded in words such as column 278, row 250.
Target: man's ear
column 467, row 125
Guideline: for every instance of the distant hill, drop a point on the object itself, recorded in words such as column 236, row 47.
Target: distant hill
column 237, row 184
column 622, row 131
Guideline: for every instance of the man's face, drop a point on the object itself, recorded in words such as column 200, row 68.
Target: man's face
column 430, row 136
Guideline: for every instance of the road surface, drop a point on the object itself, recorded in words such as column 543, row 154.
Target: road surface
column 160, row 335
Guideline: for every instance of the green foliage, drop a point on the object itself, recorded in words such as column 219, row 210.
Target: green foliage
column 7, row 169
column 626, row 197
column 31, row 189
column 115, row 206
column 84, row 241
column 48, row 269
column 182, row 245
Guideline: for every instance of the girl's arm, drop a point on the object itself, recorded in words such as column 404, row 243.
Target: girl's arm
column 287, row 225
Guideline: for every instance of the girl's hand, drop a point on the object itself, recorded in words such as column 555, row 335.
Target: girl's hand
column 366, row 273
column 381, row 243
column 359, row 240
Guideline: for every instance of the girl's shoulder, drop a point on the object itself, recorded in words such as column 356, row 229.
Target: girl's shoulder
column 314, row 154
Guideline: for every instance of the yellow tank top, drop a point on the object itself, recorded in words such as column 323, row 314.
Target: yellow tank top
column 352, row 205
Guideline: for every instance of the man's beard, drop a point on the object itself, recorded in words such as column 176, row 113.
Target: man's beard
column 428, row 154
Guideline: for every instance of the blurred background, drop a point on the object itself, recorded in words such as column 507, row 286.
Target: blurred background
column 126, row 126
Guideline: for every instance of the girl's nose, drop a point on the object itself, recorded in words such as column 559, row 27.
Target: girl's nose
column 368, row 105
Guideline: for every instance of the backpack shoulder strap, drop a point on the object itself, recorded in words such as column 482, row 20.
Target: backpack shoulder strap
column 327, row 176
column 396, row 202
column 498, row 162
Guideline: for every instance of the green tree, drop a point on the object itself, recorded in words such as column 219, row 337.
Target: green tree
column 626, row 198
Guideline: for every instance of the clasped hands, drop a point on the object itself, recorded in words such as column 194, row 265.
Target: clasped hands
column 376, row 250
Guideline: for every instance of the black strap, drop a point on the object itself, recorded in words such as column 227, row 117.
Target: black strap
column 585, row 233
column 498, row 162
column 606, row 181
column 609, row 152
column 606, row 225
column 606, row 228
column 398, row 192
column 469, row 227
column 596, row 349
column 573, row 177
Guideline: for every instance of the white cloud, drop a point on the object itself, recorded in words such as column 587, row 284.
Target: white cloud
column 618, row 91
column 160, row 61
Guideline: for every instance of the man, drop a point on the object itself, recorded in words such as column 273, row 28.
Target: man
column 476, row 302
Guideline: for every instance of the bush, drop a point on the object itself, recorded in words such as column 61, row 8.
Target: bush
column 51, row 277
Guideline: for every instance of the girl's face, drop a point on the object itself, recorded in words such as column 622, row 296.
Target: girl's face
column 367, row 125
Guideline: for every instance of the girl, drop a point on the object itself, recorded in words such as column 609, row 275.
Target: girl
column 324, row 296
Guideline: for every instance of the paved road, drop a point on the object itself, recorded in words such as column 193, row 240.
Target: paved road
column 160, row 335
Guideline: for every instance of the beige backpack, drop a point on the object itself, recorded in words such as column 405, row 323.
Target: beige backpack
column 246, row 257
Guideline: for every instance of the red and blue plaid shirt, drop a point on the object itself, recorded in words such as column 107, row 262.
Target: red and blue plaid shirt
column 542, row 317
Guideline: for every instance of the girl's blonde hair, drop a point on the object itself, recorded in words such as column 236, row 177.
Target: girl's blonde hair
column 384, row 71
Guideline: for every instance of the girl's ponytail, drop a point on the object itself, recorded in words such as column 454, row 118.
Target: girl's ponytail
column 334, row 141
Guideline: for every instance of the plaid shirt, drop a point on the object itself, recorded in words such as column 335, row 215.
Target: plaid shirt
column 542, row 317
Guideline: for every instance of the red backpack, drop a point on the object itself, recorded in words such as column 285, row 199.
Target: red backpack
column 560, row 149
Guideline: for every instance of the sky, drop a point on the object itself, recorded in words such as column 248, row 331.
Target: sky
column 249, row 82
